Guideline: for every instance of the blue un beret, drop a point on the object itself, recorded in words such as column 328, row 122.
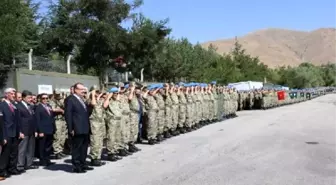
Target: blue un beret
column 114, row 90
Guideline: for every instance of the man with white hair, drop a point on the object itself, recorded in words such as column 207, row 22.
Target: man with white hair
column 9, row 155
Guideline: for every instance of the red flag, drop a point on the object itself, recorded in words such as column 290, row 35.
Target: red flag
column 281, row 95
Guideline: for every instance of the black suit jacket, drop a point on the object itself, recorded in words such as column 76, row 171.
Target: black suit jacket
column 11, row 121
column 1, row 128
column 76, row 116
column 27, row 119
column 45, row 122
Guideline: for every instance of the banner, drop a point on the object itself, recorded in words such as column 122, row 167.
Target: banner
column 47, row 89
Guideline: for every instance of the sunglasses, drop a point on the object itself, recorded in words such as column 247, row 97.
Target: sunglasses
column 44, row 98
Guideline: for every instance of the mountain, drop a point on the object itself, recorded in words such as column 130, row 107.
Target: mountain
column 278, row 47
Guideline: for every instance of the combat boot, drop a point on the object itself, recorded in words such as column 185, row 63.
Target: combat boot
column 151, row 141
column 136, row 149
column 113, row 157
column 122, row 152
column 96, row 162
column 167, row 134
column 160, row 138
column 183, row 130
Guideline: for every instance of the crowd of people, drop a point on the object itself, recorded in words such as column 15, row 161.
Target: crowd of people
column 87, row 120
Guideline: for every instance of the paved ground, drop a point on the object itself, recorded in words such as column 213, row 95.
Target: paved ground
column 292, row 145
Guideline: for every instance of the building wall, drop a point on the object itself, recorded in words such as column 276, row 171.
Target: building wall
column 25, row 79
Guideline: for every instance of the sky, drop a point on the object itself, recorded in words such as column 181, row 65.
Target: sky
column 201, row 20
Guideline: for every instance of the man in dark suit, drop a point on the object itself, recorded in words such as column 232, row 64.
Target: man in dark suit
column 1, row 137
column 28, row 129
column 45, row 122
column 77, row 119
column 8, row 157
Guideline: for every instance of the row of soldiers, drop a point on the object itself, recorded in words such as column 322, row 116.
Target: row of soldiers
column 129, row 113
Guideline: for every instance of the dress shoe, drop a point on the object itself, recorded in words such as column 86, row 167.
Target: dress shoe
column 78, row 170
column 47, row 163
column 88, row 168
column 31, row 167
column 14, row 172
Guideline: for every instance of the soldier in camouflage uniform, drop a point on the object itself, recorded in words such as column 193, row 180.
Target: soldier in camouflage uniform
column 113, row 118
column 57, row 102
column 151, row 113
column 175, row 107
column 194, row 108
column 160, row 118
column 199, row 106
column 97, row 123
column 125, row 128
column 182, row 111
column 168, row 111
column 134, row 118
column 189, row 116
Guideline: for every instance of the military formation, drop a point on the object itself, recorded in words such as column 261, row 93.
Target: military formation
column 130, row 113
column 119, row 117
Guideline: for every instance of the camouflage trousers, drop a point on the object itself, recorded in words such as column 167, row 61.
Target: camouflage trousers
column 226, row 107
column 168, row 118
column 175, row 118
column 59, row 136
column 152, row 124
column 193, row 113
column 182, row 115
column 198, row 111
column 160, row 118
column 215, row 105
column 134, row 126
column 189, row 116
column 212, row 110
column 114, row 135
column 98, row 131
column 204, row 110
column 125, row 130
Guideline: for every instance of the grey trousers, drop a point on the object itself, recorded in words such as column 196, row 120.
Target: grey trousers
column 26, row 152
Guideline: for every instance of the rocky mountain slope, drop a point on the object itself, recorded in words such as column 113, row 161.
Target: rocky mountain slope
column 278, row 47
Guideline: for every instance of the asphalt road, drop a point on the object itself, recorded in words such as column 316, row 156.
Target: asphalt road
column 291, row 145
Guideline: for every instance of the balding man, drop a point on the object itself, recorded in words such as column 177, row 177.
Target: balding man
column 77, row 119
column 9, row 155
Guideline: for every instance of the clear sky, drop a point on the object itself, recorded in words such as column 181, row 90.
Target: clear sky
column 201, row 20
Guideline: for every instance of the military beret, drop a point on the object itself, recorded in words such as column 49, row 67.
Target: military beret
column 114, row 90
column 214, row 82
column 171, row 83
column 126, row 86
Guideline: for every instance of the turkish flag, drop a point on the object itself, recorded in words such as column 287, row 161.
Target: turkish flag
column 281, row 95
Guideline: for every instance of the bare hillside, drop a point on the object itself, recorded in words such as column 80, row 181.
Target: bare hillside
column 277, row 47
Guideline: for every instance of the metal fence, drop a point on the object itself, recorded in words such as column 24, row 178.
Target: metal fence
column 44, row 64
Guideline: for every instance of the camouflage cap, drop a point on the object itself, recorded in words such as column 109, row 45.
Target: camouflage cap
column 94, row 87
column 57, row 91
column 132, row 83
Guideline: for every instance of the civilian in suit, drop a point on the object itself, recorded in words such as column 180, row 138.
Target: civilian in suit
column 67, row 146
column 29, row 130
column 77, row 119
column 1, row 137
column 18, row 97
column 9, row 154
column 46, row 128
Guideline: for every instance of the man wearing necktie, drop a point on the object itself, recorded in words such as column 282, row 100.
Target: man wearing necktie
column 77, row 119
column 45, row 122
column 29, row 130
column 8, row 157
